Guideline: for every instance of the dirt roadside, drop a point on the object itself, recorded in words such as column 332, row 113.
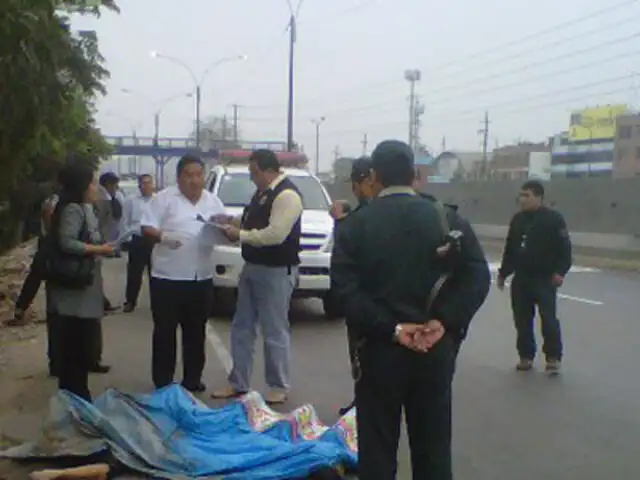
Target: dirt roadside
column 25, row 387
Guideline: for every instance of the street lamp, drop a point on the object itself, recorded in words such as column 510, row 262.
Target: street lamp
column 198, row 83
column 134, row 126
column 159, row 162
column 317, row 122
column 160, row 106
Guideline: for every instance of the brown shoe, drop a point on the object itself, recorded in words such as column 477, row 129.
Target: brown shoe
column 524, row 365
column 275, row 397
column 226, row 393
column 552, row 367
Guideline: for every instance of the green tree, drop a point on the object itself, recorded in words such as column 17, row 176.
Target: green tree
column 50, row 76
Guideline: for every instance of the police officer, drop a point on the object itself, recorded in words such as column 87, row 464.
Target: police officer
column 538, row 252
column 384, row 265
column 362, row 189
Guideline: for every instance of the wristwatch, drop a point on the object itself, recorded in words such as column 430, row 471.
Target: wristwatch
column 398, row 330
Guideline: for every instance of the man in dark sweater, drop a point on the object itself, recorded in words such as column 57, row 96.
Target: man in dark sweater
column 538, row 252
column 384, row 265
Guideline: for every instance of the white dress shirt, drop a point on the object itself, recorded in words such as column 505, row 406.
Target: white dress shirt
column 173, row 214
column 132, row 210
column 286, row 209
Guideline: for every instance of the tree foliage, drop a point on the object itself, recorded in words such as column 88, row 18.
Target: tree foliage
column 49, row 78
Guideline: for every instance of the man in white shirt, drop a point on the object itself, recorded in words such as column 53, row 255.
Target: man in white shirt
column 140, row 247
column 181, row 272
column 269, row 231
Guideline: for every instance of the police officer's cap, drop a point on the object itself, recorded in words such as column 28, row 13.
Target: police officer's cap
column 392, row 153
column 360, row 169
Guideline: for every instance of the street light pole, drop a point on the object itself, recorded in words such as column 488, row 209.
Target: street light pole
column 292, row 42
column 158, row 106
column 198, row 82
column 317, row 123
column 198, row 102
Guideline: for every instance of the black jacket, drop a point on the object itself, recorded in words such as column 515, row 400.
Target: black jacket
column 468, row 287
column 384, row 265
column 537, row 245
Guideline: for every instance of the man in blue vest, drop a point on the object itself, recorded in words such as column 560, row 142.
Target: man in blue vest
column 269, row 232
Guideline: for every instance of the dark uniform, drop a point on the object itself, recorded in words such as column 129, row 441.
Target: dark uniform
column 470, row 277
column 537, row 247
column 384, row 265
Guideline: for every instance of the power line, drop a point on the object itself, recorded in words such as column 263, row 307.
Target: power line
column 530, row 65
column 538, row 48
column 499, row 47
column 563, row 71
column 473, row 115
column 466, row 92
column 536, row 35
column 583, row 86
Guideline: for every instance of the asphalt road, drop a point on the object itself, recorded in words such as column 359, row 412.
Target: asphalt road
column 583, row 425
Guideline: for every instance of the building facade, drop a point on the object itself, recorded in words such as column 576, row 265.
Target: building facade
column 627, row 147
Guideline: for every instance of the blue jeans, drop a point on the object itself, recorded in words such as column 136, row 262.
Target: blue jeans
column 264, row 295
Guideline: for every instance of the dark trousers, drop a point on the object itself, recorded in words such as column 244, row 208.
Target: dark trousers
column 140, row 250
column 184, row 303
column 526, row 294
column 33, row 281
column 75, row 353
column 55, row 342
column 395, row 378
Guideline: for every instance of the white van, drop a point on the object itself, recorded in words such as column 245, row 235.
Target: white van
column 234, row 187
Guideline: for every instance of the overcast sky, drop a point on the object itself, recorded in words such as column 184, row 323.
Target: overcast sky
column 528, row 62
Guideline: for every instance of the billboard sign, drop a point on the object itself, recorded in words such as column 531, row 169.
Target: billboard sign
column 598, row 123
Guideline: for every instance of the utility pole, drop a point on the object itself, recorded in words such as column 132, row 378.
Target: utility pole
column 292, row 43
column 418, row 111
column 336, row 153
column 485, row 139
column 317, row 123
column 365, row 144
column 198, row 121
column 412, row 76
column 224, row 128
column 235, row 124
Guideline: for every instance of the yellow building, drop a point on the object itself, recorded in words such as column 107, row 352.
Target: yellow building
column 597, row 123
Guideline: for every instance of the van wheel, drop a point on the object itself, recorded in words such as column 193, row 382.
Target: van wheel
column 332, row 308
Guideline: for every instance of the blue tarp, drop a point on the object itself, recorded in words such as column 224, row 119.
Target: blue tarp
column 170, row 434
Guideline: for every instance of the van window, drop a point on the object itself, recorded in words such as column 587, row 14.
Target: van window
column 236, row 190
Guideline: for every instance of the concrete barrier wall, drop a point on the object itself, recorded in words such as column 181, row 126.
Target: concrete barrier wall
column 602, row 214
column 598, row 205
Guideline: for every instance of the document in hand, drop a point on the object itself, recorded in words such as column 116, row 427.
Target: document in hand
column 126, row 236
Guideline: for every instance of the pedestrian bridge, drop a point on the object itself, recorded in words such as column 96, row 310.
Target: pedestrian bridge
column 165, row 147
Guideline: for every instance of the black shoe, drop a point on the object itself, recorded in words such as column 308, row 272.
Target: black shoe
column 199, row 388
column 18, row 318
column 99, row 368
column 129, row 307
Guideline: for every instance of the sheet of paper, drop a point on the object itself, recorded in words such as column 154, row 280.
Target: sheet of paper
column 126, row 236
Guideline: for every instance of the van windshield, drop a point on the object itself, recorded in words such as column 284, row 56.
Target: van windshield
column 236, row 190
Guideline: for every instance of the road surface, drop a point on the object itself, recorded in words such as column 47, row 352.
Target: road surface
column 583, row 425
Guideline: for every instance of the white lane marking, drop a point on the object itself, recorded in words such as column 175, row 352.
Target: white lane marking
column 494, row 266
column 220, row 350
column 580, row 299
column 564, row 296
